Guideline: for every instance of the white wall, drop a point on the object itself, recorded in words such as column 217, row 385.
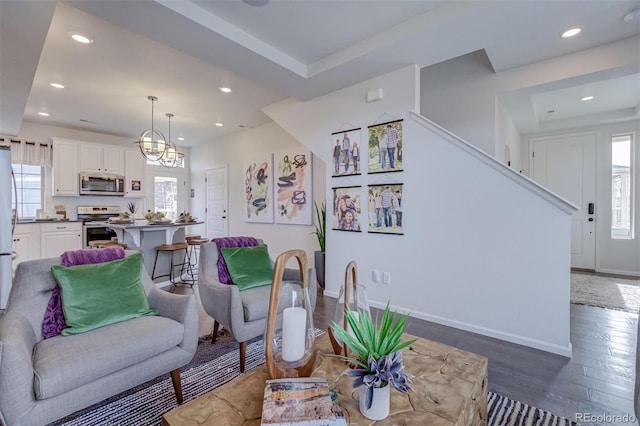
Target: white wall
column 617, row 256
column 507, row 136
column 459, row 94
column 466, row 259
column 231, row 151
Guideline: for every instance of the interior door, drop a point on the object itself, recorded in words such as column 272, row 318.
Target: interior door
column 217, row 203
column 566, row 164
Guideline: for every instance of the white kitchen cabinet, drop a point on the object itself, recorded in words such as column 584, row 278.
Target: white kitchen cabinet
column 24, row 243
column 134, row 173
column 101, row 159
column 65, row 167
column 58, row 237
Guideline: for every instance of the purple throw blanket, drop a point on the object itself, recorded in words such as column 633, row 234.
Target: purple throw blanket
column 54, row 322
column 87, row 256
column 230, row 242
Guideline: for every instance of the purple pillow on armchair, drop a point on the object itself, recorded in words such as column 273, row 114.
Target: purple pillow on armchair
column 230, row 242
column 53, row 322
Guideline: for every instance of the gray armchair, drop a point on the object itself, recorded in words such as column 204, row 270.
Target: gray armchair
column 243, row 313
column 44, row 380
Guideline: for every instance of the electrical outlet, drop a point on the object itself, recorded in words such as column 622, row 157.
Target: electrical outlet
column 376, row 276
column 386, row 278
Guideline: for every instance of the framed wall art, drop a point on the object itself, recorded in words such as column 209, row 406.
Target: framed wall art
column 258, row 191
column 385, row 147
column 346, row 152
column 346, row 208
column 385, row 208
column 293, row 187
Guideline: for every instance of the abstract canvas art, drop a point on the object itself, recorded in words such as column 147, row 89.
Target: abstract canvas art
column 258, row 190
column 293, row 186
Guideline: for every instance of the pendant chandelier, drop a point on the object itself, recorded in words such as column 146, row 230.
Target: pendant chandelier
column 152, row 142
column 172, row 157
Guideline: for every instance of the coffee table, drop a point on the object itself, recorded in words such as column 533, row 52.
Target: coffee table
column 450, row 388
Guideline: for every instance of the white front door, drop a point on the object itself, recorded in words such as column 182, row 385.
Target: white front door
column 216, row 199
column 566, row 164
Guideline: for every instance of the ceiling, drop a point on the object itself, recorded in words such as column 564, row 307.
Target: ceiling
column 183, row 51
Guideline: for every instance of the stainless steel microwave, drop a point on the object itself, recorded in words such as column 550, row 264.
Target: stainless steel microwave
column 101, row 184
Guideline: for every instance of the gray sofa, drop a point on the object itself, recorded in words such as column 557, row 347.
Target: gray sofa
column 44, row 380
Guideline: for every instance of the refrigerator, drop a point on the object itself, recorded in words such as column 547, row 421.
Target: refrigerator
column 7, row 225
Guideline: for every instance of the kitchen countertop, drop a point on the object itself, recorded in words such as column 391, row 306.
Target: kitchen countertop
column 152, row 226
column 135, row 230
column 21, row 221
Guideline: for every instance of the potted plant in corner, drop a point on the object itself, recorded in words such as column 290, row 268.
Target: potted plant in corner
column 320, row 230
column 376, row 353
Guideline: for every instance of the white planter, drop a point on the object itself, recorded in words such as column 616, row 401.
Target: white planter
column 379, row 406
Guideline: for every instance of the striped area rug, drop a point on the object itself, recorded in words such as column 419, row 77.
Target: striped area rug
column 145, row 404
column 505, row 411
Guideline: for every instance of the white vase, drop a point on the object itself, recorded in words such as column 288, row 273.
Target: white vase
column 379, row 405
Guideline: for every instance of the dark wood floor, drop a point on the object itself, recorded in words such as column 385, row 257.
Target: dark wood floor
column 598, row 379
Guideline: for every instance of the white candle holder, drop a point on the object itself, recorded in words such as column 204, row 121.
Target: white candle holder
column 290, row 334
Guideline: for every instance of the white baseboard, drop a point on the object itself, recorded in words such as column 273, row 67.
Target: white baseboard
column 331, row 293
column 490, row 332
column 162, row 284
column 619, row 272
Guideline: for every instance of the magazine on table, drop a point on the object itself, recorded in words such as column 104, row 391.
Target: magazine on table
column 304, row 401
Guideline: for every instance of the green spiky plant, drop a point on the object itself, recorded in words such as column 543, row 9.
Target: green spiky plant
column 321, row 224
column 376, row 350
column 132, row 208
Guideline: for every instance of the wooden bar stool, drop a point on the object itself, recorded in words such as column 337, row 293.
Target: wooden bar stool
column 106, row 243
column 100, row 243
column 171, row 249
column 193, row 253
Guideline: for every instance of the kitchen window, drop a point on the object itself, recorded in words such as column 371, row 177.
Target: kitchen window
column 179, row 163
column 166, row 196
column 622, row 191
column 29, row 189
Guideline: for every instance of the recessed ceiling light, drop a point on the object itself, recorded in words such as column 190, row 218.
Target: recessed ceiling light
column 219, row 124
column 44, row 114
column 180, row 138
column 81, row 38
column 57, row 85
column 571, row 32
column 586, row 98
column 225, row 89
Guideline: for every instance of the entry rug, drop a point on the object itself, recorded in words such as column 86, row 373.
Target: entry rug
column 145, row 404
column 505, row 411
column 605, row 292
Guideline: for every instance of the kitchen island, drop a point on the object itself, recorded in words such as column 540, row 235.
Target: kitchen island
column 144, row 236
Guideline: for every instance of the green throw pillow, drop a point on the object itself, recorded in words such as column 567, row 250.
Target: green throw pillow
column 248, row 266
column 101, row 294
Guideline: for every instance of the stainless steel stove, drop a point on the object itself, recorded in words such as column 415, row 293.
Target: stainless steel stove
column 94, row 221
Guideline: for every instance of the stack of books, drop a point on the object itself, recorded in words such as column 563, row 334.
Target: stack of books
column 305, row 401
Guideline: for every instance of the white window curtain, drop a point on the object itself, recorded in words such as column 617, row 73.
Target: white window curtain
column 28, row 152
